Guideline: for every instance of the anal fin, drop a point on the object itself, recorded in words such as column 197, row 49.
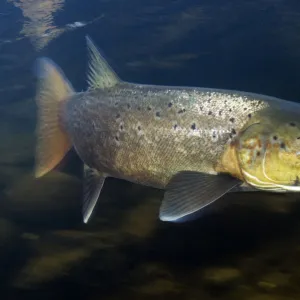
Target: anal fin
column 92, row 185
column 188, row 192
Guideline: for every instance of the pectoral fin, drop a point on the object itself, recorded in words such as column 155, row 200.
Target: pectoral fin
column 92, row 185
column 190, row 191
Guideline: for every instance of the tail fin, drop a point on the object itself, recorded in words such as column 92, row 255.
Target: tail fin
column 53, row 142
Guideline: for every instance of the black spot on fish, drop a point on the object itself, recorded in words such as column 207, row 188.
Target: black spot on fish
column 121, row 127
column 214, row 135
column 118, row 116
column 210, row 113
column 181, row 111
column 149, row 108
column 292, row 124
column 282, row 145
column 139, row 128
column 233, row 131
column 231, row 120
column 193, row 126
column 157, row 114
column 220, row 112
column 175, row 126
column 249, row 116
column 275, row 137
column 116, row 138
column 170, row 104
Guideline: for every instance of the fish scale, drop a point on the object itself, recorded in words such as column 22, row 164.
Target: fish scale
column 158, row 149
column 195, row 143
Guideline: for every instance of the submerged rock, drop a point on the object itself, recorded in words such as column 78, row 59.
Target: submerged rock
column 47, row 267
column 63, row 253
column 221, row 276
column 274, row 280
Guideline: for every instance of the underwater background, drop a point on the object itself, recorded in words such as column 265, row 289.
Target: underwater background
column 244, row 246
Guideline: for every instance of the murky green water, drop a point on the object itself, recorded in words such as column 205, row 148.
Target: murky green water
column 245, row 246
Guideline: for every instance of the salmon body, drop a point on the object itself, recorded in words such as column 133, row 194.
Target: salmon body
column 147, row 134
column 189, row 141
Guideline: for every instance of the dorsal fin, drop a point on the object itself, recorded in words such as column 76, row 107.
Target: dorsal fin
column 100, row 74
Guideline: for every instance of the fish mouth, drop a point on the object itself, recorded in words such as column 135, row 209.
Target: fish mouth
column 290, row 188
column 262, row 185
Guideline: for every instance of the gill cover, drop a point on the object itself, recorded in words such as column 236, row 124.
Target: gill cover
column 269, row 155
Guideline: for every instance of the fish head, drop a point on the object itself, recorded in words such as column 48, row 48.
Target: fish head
column 268, row 152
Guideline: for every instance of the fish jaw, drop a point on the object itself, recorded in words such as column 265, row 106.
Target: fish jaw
column 268, row 152
column 228, row 163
